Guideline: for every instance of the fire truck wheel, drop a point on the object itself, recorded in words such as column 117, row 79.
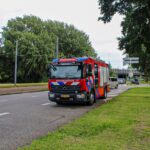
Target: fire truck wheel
column 59, row 103
column 105, row 93
column 91, row 98
column 116, row 86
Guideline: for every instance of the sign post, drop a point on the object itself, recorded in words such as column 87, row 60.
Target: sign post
column 16, row 56
column 129, row 61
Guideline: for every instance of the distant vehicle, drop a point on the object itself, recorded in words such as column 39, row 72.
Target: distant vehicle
column 121, row 80
column 113, row 82
column 135, row 81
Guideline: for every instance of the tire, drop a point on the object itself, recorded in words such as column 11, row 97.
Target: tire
column 91, row 98
column 59, row 103
column 116, row 87
column 105, row 94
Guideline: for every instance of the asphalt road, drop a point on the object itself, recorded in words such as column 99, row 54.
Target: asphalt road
column 24, row 117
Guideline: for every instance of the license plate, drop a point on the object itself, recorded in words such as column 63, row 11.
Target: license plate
column 65, row 96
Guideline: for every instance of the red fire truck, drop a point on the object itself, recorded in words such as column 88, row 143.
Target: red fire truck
column 81, row 80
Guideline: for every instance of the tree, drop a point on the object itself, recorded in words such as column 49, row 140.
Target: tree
column 135, row 40
column 32, row 47
column 109, row 8
column 37, row 42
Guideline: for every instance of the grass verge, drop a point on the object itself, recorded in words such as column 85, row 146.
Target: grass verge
column 141, row 82
column 22, row 85
column 120, row 124
column 144, row 82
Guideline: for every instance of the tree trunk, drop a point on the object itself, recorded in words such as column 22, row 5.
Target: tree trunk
column 147, row 68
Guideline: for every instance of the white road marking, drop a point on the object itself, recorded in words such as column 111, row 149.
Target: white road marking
column 45, row 104
column 5, row 113
column 34, row 96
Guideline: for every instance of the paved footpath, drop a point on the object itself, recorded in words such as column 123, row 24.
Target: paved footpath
column 27, row 116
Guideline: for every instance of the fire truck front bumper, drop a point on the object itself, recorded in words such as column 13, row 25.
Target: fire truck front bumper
column 71, row 97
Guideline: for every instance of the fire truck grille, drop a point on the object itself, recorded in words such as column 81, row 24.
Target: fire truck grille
column 65, row 88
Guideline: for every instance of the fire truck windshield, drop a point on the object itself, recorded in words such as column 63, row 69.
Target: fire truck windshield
column 66, row 71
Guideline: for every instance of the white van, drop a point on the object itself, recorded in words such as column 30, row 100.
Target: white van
column 121, row 80
column 113, row 81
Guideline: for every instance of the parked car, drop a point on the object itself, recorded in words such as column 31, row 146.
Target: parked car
column 121, row 80
column 135, row 81
column 113, row 82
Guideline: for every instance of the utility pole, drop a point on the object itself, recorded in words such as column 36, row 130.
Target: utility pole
column 57, row 47
column 16, row 57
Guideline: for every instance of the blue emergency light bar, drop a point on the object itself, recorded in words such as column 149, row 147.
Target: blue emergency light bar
column 69, row 60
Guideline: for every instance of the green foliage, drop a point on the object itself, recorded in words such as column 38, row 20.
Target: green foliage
column 37, row 42
column 135, row 40
column 111, row 71
column 5, row 68
column 120, row 124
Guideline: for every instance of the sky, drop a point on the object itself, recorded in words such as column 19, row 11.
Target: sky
column 83, row 14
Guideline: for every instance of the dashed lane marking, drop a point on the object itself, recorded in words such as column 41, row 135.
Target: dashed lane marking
column 34, row 96
column 45, row 104
column 5, row 113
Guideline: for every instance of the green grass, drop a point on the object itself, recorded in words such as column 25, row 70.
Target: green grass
column 120, row 124
column 144, row 82
column 22, row 85
column 140, row 81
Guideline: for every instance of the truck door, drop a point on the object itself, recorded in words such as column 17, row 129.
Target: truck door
column 96, row 75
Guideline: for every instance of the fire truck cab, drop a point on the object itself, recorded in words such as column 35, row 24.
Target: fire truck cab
column 78, row 80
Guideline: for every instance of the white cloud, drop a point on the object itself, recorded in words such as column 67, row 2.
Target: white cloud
column 81, row 13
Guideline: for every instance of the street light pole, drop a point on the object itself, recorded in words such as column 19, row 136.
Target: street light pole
column 16, row 59
column 57, row 47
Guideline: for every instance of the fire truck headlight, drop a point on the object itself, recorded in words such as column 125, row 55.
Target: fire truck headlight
column 51, row 95
column 80, row 96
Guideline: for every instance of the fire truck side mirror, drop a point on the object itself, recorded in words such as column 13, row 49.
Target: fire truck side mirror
column 49, row 71
column 96, row 80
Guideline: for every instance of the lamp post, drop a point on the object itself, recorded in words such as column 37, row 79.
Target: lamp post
column 57, row 47
column 16, row 61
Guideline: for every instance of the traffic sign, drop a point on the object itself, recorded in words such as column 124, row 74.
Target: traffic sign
column 130, row 74
column 130, row 60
